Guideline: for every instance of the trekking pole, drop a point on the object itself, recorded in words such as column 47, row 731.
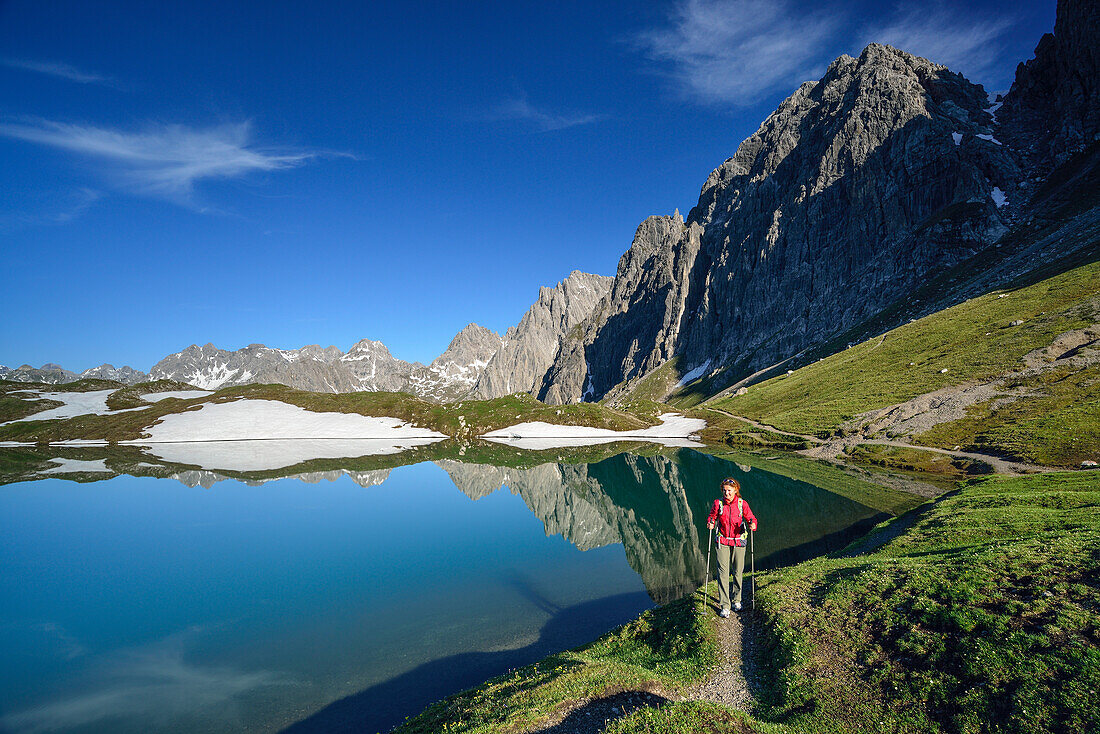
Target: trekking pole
column 752, row 560
column 706, row 579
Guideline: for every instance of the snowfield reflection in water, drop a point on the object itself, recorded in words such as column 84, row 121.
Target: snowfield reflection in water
column 358, row 600
column 246, row 456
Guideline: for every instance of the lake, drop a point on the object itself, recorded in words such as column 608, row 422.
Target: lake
column 157, row 597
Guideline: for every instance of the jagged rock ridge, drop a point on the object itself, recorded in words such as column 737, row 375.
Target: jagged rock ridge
column 53, row 374
column 529, row 347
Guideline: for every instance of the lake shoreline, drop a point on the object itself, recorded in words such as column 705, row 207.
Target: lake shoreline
column 804, row 647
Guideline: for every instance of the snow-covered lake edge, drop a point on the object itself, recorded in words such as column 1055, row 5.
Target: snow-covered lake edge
column 272, row 420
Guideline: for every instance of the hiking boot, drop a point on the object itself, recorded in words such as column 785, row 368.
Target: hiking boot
column 737, row 606
column 724, row 613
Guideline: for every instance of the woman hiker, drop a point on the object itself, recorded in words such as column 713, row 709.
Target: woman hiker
column 731, row 513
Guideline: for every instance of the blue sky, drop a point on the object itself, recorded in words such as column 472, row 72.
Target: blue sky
column 293, row 173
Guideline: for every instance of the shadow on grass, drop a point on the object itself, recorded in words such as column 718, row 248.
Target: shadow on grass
column 595, row 715
column 383, row 706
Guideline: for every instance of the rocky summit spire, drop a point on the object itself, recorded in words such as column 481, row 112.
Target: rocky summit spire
column 531, row 346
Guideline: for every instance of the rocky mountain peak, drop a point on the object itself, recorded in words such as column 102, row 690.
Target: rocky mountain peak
column 369, row 346
column 530, row 347
column 453, row 373
column 473, row 341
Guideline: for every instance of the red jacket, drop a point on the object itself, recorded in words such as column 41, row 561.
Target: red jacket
column 729, row 521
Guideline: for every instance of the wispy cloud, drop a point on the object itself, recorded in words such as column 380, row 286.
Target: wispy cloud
column 518, row 108
column 60, row 209
column 61, row 70
column 946, row 35
column 165, row 160
column 735, row 51
column 150, row 688
column 731, row 51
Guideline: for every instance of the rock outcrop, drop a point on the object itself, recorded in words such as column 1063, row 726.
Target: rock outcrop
column 125, row 374
column 1053, row 108
column 530, row 347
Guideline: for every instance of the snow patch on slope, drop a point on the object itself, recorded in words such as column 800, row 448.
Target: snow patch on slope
column 695, row 373
column 264, row 419
column 76, row 465
column 674, row 429
column 153, row 397
column 75, row 403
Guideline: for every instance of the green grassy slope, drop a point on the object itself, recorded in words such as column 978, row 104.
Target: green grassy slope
column 1058, row 426
column 974, row 340
column 979, row 617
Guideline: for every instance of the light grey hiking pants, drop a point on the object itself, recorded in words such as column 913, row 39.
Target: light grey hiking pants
column 725, row 584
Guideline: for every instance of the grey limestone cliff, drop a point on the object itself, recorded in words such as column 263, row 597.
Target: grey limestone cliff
column 1053, row 108
column 659, row 262
column 530, row 347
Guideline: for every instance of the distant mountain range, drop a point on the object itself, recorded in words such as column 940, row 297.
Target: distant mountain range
column 477, row 363
column 890, row 188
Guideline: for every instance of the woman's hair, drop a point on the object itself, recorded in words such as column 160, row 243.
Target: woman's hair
column 730, row 481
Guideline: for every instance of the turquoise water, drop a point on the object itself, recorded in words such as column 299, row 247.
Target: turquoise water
column 140, row 604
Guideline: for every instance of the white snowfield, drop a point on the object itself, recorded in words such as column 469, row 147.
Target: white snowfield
column 697, row 372
column 76, row 465
column 277, row 453
column 75, row 403
column 265, row 419
column 674, row 430
column 154, row 397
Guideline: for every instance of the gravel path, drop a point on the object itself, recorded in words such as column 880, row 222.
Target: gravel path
column 727, row 684
column 763, row 426
column 730, row 682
